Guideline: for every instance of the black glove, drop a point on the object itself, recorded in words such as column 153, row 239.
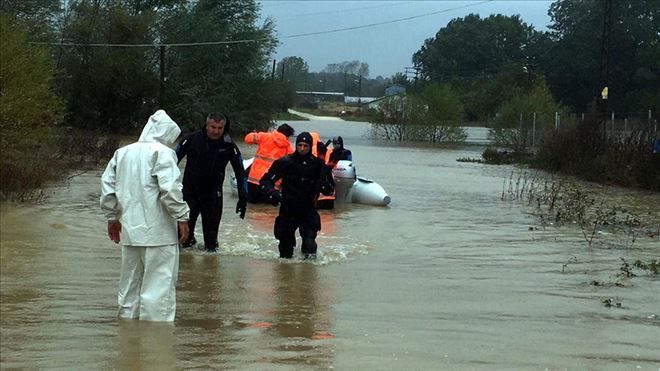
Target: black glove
column 241, row 207
column 327, row 189
column 275, row 197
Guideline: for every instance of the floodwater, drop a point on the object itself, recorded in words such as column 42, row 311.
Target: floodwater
column 448, row 276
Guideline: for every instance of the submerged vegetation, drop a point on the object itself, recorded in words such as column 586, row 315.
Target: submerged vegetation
column 558, row 203
column 623, row 159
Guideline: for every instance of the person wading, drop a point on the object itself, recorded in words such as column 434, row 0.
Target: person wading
column 303, row 177
column 142, row 200
column 208, row 152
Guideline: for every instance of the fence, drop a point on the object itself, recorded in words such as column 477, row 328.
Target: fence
column 533, row 126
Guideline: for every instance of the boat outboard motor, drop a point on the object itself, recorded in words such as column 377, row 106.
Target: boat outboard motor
column 345, row 175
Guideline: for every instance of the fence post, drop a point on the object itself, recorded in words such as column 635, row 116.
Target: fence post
column 649, row 121
column 534, row 130
column 558, row 120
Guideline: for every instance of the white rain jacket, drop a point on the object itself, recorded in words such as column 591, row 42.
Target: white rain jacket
column 141, row 186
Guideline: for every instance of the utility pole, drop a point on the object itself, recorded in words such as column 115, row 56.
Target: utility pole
column 360, row 91
column 161, row 95
column 604, row 66
column 283, row 68
column 410, row 71
column 272, row 75
column 344, row 83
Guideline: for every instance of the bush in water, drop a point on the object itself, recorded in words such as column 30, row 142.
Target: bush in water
column 583, row 151
column 28, row 113
column 34, row 149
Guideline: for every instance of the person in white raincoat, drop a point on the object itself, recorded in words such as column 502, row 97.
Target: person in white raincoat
column 142, row 199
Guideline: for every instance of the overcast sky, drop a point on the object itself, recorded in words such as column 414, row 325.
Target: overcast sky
column 387, row 47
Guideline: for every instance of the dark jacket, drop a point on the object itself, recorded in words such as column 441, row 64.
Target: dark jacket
column 206, row 163
column 303, row 177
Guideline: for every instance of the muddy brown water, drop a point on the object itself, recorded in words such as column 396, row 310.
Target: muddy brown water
column 447, row 277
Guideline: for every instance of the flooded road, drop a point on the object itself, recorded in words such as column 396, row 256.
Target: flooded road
column 447, row 277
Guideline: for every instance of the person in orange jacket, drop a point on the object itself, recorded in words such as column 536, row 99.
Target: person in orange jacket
column 324, row 201
column 270, row 147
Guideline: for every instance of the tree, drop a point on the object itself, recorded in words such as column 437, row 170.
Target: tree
column 572, row 64
column 233, row 78
column 294, row 70
column 483, row 96
column 400, row 78
column 28, row 112
column 471, row 47
column 524, row 112
column 355, row 68
column 433, row 115
column 109, row 88
column 36, row 17
column 443, row 104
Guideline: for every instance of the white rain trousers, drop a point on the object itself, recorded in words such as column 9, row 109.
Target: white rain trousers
column 147, row 286
column 141, row 187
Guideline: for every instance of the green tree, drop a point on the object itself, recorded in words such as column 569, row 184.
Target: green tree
column 295, row 71
column 109, row 88
column 401, row 79
column 38, row 18
column 232, row 77
column 572, row 64
column 355, row 68
column 483, row 96
column 471, row 47
column 28, row 112
column 519, row 116
column 433, row 115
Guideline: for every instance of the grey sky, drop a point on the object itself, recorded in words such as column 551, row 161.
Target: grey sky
column 387, row 48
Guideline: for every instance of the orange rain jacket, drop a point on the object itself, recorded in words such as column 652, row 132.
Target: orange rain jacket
column 316, row 138
column 270, row 147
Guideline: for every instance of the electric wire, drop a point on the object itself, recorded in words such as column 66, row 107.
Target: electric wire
column 264, row 39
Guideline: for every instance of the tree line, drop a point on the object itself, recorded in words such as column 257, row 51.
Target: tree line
column 116, row 61
column 107, row 83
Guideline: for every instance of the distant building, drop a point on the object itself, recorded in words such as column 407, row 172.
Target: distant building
column 316, row 97
column 395, row 89
column 361, row 100
column 376, row 103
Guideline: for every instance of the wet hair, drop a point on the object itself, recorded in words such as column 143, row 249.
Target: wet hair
column 286, row 130
column 217, row 117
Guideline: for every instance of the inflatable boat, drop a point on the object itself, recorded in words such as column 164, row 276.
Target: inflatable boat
column 349, row 187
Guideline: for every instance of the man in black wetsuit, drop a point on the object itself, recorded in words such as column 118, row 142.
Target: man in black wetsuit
column 303, row 177
column 208, row 151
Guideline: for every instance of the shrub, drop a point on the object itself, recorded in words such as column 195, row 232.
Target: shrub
column 583, row 151
column 28, row 112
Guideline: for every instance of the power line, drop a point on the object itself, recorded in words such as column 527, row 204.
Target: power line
column 346, row 10
column 243, row 41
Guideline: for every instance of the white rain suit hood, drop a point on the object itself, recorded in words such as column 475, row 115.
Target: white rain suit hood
column 141, row 186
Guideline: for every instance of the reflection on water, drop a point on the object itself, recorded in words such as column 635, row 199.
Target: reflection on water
column 146, row 346
column 447, row 277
